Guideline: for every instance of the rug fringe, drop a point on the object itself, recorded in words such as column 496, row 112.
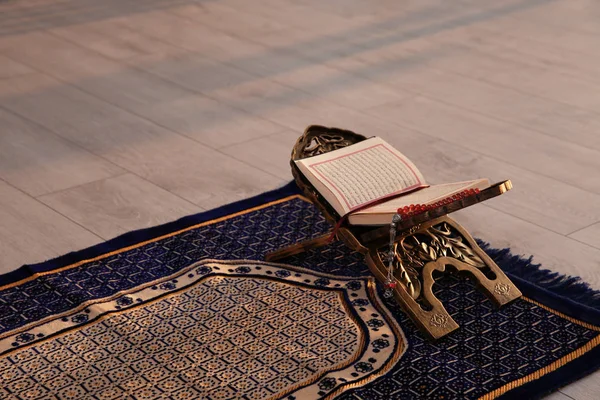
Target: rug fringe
column 571, row 287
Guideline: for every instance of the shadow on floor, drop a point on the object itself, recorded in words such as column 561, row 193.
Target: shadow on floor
column 193, row 74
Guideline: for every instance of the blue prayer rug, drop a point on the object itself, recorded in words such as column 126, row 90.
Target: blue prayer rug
column 188, row 310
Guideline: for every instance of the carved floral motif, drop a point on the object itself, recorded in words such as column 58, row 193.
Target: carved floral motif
column 418, row 247
column 324, row 143
column 502, row 289
column 440, row 320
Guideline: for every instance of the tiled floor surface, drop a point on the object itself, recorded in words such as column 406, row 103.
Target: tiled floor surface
column 123, row 114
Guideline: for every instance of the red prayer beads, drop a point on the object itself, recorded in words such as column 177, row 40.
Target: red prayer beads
column 414, row 209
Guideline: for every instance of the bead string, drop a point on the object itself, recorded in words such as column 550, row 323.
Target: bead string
column 390, row 283
column 407, row 212
column 414, row 209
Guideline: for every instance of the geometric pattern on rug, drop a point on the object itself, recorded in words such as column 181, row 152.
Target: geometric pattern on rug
column 248, row 236
column 493, row 351
column 218, row 330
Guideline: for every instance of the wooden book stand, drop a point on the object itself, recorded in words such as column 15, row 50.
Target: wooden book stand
column 425, row 243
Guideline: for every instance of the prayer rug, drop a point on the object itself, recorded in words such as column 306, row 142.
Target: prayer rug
column 189, row 310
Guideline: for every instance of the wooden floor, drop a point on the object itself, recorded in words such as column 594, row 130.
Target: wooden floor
column 123, row 114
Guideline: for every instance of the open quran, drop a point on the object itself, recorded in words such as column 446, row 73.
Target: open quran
column 369, row 180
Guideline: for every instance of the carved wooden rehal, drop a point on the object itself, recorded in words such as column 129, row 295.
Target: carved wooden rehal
column 425, row 243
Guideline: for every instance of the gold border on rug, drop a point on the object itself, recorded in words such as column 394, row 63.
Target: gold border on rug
column 355, row 356
column 552, row 366
column 400, row 348
column 489, row 396
column 543, row 371
column 135, row 246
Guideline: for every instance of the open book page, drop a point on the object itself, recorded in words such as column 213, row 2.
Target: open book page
column 362, row 173
column 382, row 213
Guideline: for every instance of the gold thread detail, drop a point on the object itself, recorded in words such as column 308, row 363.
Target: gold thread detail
column 143, row 286
column 354, row 357
column 147, row 303
column 339, row 293
column 100, row 319
column 543, row 371
column 556, row 364
column 91, row 303
column 571, row 319
column 400, row 350
column 112, row 253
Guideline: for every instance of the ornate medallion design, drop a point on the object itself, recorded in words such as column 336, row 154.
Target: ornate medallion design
column 216, row 329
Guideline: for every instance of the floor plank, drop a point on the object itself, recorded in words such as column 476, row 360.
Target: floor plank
column 417, row 67
column 589, row 235
column 560, row 15
column 207, row 76
column 526, row 50
column 166, row 103
column 339, row 87
column 277, row 146
column 40, row 50
column 223, row 17
column 538, row 81
column 111, row 39
column 10, row 68
column 33, row 15
column 118, row 205
column 308, row 15
column 544, row 116
column 110, row 80
column 195, row 71
column 585, row 388
column 204, row 177
column 558, row 396
column 30, row 232
column 210, row 122
column 63, row 109
column 546, row 155
column 39, row 162
column 187, row 34
column 569, row 38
